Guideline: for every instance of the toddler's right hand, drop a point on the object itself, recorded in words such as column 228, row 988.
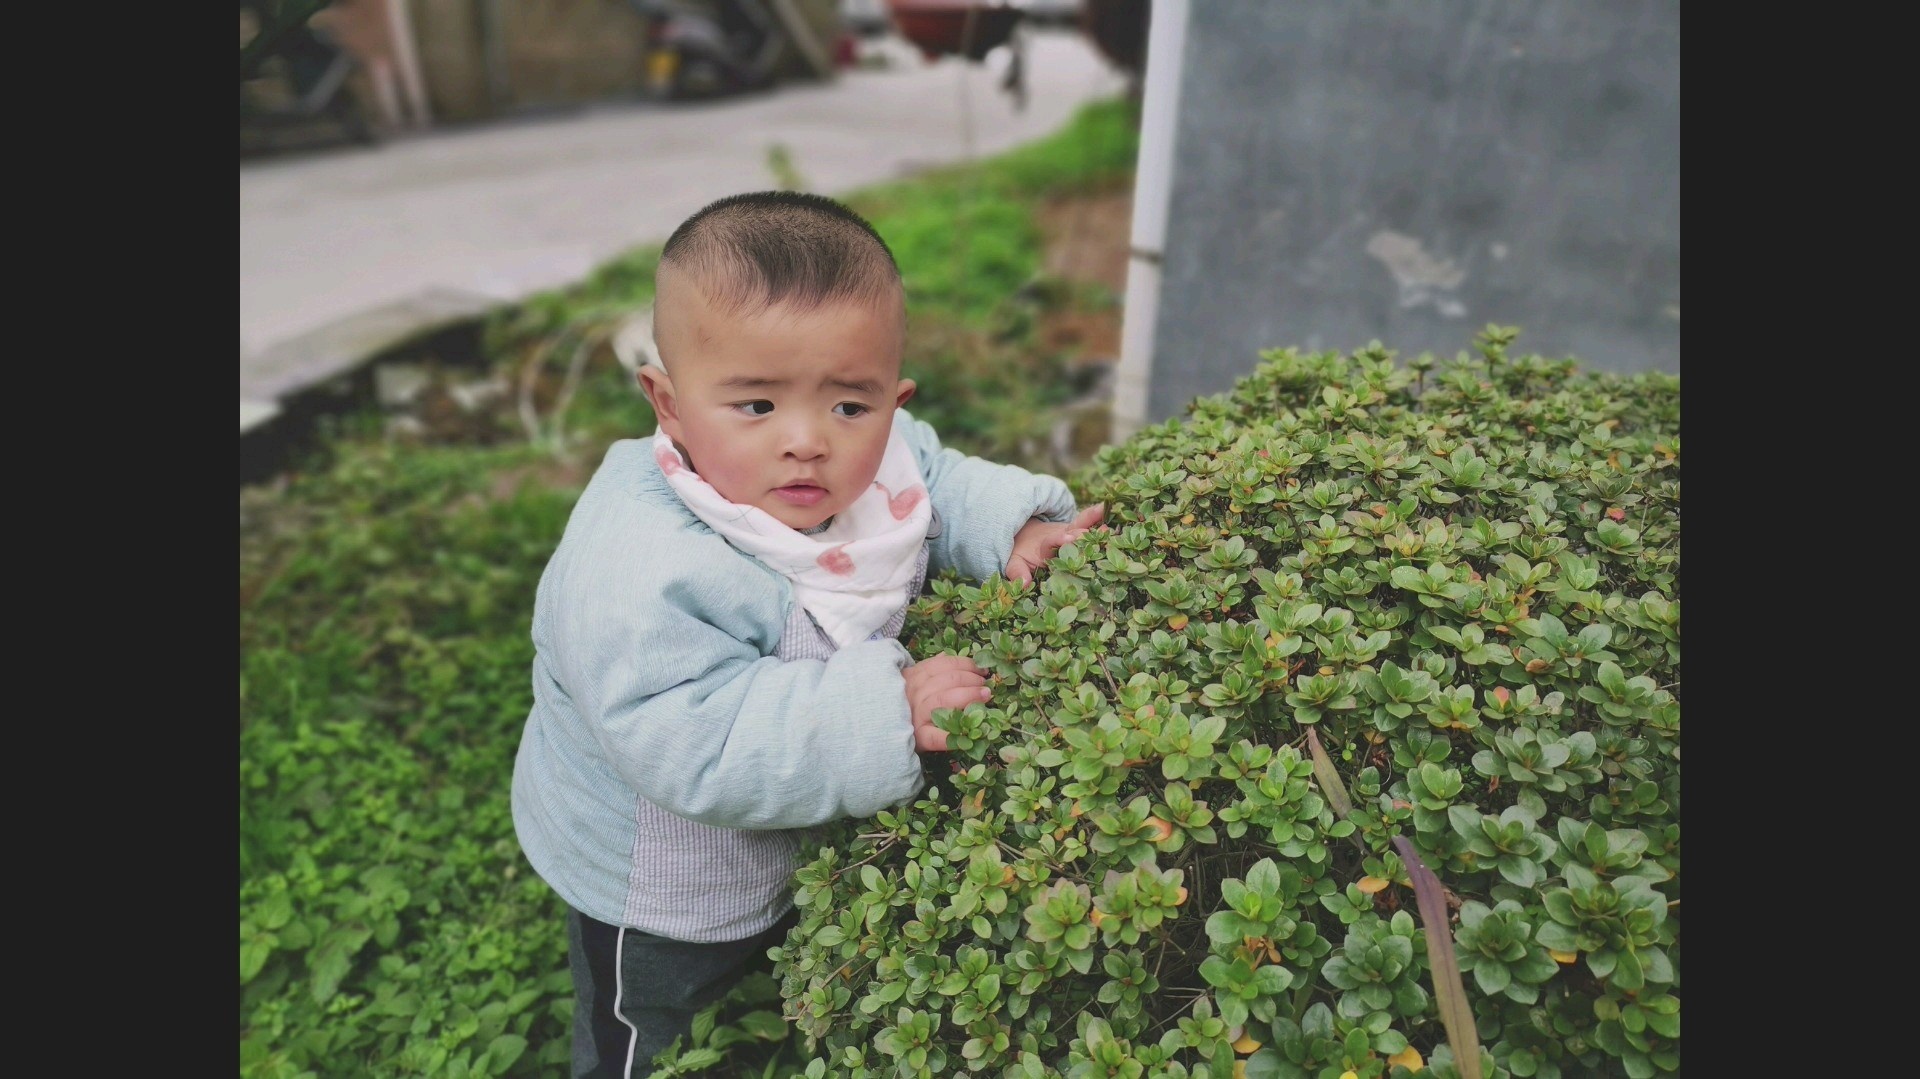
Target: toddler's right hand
column 942, row 681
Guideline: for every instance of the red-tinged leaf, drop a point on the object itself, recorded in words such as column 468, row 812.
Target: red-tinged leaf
column 1449, row 992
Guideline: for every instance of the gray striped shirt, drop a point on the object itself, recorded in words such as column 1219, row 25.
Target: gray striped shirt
column 694, row 882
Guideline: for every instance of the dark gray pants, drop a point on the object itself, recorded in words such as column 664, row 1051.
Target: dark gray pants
column 635, row 992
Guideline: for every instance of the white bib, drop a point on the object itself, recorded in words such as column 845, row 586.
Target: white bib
column 852, row 576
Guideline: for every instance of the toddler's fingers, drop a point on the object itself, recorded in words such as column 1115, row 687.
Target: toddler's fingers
column 945, row 661
column 926, row 705
column 928, row 738
column 927, row 734
column 1091, row 516
column 955, row 697
column 944, row 681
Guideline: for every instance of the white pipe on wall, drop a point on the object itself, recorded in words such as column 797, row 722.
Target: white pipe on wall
column 1152, row 187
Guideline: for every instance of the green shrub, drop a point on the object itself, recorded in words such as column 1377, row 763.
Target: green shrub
column 1454, row 586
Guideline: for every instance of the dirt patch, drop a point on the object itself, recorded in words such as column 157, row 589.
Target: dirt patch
column 1092, row 336
column 548, row 475
column 1086, row 239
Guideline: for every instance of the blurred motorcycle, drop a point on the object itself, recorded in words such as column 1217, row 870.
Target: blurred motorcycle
column 294, row 80
column 708, row 50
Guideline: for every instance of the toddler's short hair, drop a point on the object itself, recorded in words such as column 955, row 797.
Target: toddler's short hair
column 752, row 251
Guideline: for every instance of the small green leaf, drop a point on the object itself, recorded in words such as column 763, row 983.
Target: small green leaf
column 1627, row 972
column 253, row 956
column 1491, row 976
column 1264, row 1064
column 275, row 912
column 1665, row 1024
column 697, row 1059
column 504, row 1050
column 767, row 1026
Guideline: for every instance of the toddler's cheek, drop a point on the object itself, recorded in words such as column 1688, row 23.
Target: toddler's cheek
column 867, row 463
column 731, row 485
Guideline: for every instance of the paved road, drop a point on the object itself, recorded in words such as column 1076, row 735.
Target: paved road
column 343, row 251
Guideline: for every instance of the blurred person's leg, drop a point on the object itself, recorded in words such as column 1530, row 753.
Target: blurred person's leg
column 365, row 28
column 380, row 75
column 406, row 63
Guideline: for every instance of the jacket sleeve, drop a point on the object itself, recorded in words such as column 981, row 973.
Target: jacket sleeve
column 663, row 661
column 979, row 504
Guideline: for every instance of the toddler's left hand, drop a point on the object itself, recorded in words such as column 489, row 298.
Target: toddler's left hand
column 1037, row 541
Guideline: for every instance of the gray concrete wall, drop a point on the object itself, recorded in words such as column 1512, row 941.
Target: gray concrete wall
column 1411, row 170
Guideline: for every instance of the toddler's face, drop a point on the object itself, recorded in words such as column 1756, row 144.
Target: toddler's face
column 786, row 410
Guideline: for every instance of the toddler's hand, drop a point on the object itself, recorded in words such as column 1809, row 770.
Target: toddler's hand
column 1037, row 541
column 942, row 681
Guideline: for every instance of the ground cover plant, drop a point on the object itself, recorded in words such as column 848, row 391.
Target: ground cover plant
column 1350, row 750
column 388, row 924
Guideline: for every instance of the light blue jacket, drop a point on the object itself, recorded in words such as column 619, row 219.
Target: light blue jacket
column 655, row 677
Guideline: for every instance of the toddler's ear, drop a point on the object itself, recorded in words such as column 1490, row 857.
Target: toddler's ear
column 658, row 386
column 904, row 392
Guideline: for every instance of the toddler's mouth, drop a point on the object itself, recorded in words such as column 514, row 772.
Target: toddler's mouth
column 801, row 494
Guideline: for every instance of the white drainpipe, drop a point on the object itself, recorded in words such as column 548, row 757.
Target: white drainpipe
column 1152, row 187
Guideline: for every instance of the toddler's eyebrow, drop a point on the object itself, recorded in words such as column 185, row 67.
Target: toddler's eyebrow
column 749, row 382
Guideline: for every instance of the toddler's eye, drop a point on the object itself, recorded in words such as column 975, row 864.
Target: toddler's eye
column 755, row 408
column 850, row 409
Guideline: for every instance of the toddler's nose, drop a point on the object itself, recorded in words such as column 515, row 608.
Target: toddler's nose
column 805, row 441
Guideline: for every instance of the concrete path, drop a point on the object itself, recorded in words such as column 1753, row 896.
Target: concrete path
column 346, row 253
